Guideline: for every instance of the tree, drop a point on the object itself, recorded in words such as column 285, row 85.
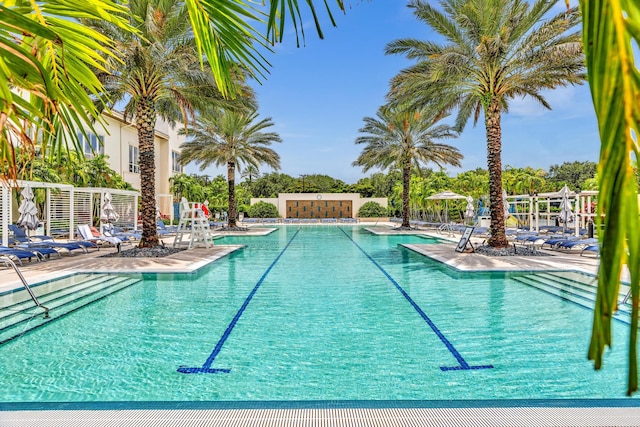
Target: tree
column 271, row 184
column 495, row 50
column 187, row 186
column 250, row 173
column 46, row 65
column 317, row 183
column 263, row 210
column 524, row 180
column 231, row 138
column 401, row 138
column 372, row 210
column 161, row 77
column 610, row 30
column 474, row 183
column 573, row 174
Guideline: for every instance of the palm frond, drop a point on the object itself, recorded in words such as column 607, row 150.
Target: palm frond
column 609, row 29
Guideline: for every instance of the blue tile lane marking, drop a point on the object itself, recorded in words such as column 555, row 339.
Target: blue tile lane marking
column 464, row 366
column 206, row 368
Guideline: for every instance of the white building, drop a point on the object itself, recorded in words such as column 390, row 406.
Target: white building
column 120, row 144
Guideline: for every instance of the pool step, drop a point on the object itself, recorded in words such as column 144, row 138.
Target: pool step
column 574, row 287
column 18, row 313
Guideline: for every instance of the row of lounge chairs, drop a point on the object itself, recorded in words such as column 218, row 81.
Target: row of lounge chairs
column 299, row 220
column 41, row 247
column 559, row 242
column 548, row 237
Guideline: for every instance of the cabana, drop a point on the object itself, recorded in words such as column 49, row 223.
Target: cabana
column 88, row 206
column 535, row 209
column 62, row 206
column 57, row 206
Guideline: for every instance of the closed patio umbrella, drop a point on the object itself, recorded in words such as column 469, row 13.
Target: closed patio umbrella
column 109, row 214
column 28, row 211
column 505, row 203
column 470, row 212
column 566, row 214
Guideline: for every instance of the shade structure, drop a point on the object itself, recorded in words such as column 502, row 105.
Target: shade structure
column 446, row 196
column 108, row 214
column 28, row 210
column 505, row 204
column 470, row 211
column 566, row 214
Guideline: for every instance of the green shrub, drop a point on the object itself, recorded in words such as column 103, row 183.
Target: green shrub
column 263, row 210
column 372, row 210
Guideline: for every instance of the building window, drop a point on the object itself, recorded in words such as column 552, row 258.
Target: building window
column 175, row 164
column 134, row 159
column 92, row 144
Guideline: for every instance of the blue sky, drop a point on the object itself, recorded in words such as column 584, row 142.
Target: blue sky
column 317, row 96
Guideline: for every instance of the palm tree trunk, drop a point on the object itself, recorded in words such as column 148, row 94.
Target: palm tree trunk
column 231, row 177
column 145, row 124
column 406, row 179
column 498, row 237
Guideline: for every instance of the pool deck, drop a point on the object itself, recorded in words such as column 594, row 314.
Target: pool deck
column 623, row 412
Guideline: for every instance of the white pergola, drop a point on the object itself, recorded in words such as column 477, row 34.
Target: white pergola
column 536, row 208
column 65, row 206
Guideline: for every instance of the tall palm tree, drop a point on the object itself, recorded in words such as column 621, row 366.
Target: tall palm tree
column 161, row 77
column 234, row 139
column 47, row 56
column 495, row 50
column 398, row 138
column 250, row 173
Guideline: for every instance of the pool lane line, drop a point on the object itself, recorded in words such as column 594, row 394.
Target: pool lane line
column 206, row 367
column 464, row 366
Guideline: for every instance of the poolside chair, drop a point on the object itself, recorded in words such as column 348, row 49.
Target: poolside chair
column 42, row 241
column 42, row 251
column 112, row 231
column 580, row 244
column 554, row 242
column 18, row 254
column 591, row 248
column 163, row 230
column 85, row 232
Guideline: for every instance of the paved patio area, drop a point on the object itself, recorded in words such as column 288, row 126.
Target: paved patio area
column 623, row 412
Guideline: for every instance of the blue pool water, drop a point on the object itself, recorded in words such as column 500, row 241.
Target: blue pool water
column 316, row 313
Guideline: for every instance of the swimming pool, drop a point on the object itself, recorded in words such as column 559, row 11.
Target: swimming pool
column 316, row 313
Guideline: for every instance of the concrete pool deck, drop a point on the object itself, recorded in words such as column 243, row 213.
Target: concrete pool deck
column 622, row 412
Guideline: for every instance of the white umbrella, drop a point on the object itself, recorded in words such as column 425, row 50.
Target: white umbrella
column 470, row 212
column 505, row 203
column 28, row 211
column 446, row 196
column 109, row 214
column 566, row 214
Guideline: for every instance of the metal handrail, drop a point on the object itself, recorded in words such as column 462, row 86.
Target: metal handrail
column 26, row 285
column 626, row 298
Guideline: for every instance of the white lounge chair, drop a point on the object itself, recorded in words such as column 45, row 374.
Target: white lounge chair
column 85, row 232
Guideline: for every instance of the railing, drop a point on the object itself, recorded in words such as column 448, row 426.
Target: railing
column 26, row 285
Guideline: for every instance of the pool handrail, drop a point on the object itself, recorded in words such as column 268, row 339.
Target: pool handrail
column 26, row 285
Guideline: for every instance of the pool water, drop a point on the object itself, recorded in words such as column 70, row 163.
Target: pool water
column 316, row 313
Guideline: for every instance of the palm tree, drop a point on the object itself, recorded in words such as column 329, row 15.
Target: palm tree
column 48, row 57
column 401, row 138
column 234, row 139
column 45, row 64
column 250, row 173
column 496, row 50
column 161, row 77
column 610, row 32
